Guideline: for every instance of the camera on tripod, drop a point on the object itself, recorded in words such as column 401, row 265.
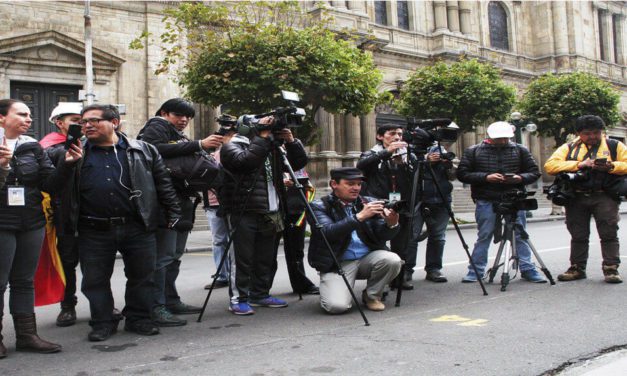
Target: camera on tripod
column 422, row 133
column 514, row 201
column 289, row 116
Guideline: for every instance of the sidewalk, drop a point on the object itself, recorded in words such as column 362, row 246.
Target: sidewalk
column 200, row 241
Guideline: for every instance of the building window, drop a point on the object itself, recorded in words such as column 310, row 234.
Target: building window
column 402, row 9
column 617, row 37
column 602, row 35
column 380, row 12
column 499, row 37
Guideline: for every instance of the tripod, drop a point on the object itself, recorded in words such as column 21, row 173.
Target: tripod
column 507, row 249
column 419, row 166
column 283, row 155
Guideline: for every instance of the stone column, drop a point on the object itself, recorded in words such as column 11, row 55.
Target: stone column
column 560, row 28
column 326, row 121
column 340, row 147
column 359, row 6
column 439, row 11
column 352, row 135
column 368, row 130
column 465, row 11
column 452, row 12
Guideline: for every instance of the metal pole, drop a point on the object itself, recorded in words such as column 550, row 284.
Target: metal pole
column 89, row 70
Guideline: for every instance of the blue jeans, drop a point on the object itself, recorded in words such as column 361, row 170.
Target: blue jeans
column 97, row 250
column 436, row 228
column 486, row 218
column 219, row 241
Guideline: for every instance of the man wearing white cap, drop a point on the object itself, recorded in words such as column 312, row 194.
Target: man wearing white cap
column 62, row 116
column 493, row 167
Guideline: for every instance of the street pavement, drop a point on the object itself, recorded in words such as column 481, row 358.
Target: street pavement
column 439, row 329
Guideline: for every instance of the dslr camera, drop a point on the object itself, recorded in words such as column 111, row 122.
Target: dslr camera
column 514, row 201
column 561, row 191
column 422, row 133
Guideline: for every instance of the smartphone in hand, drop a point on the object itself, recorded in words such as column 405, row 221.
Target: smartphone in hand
column 74, row 133
column 600, row 161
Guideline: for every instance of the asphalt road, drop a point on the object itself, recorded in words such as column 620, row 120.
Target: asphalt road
column 439, row 329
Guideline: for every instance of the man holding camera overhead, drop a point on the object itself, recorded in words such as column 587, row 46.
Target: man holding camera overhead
column 598, row 166
column 251, row 198
column 492, row 168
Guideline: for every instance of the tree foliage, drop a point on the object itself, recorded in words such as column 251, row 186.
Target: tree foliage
column 243, row 54
column 468, row 92
column 554, row 102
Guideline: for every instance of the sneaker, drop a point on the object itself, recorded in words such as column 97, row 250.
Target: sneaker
column 469, row 278
column 242, row 308
column 572, row 274
column 611, row 274
column 181, row 308
column 269, row 302
column 532, row 275
column 143, row 327
column 372, row 304
column 162, row 317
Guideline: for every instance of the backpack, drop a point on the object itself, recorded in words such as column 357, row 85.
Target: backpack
column 198, row 171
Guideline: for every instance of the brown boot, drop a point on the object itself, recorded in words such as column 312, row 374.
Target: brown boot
column 3, row 350
column 26, row 338
column 573, row 273
column 610, row 272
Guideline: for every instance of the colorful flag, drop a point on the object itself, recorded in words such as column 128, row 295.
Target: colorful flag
column 49, row 277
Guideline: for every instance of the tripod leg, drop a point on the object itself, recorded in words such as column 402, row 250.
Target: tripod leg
column 497, row 260
column 215, row 276
column 505, row 276
column 543, row 267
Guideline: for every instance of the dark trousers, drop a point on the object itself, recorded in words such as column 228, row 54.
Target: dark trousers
column 97, row 250
column 174, row 267
column 294, row 245
column 400, row 244
column 436, row 222
column 255, row 257
column 604, row 209
column 19, row 255
column 67, row 246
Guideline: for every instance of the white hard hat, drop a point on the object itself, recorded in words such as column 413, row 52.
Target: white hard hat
column 65, row 108
column 501, row 129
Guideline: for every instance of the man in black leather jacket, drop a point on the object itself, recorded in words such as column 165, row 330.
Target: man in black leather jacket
column 114, row 204
column 251, row 198
column 492, row 168
column 357, row 229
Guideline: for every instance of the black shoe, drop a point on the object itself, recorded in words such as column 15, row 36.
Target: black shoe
column 436, row 276
column 102, row 333
column 183, row 309
column 313, row 290
column 117, row 315
column 162, row 317
column 143, row 327
column 219, row 284
column 67, row 316
column 407, row 285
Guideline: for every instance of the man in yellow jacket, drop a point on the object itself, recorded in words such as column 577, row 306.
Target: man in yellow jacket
column 594, row 163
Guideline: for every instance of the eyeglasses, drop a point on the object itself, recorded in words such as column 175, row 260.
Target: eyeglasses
column 92, row 121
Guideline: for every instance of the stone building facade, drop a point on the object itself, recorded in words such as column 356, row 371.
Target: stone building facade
column 42, row 56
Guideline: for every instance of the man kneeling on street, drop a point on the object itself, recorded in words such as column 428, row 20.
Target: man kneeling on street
column 357, row 229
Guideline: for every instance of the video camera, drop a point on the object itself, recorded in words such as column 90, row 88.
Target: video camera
column 227, row 123
column 514, row 201
column 289, row 116
column 422, row 133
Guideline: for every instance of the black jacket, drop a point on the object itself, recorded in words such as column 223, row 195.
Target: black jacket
column 244, row 161
column 56, row 153
column 35, row 172
column 148, row 174
column 382, row 175
column 170, row 143
column 484, row 159
column 337, row 226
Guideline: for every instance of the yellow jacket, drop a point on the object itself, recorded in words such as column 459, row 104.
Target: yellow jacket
column 558, row 163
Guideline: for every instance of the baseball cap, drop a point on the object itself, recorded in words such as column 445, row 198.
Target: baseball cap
column 500, row 129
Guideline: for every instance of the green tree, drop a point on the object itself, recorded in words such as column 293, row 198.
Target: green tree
column 554, row 102
column 468, row 92
column 243, row 54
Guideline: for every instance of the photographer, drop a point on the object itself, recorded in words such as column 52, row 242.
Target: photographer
column 250, row 197
column 165, row 132
column 434, row 214
column 598, row 164
column 357, row 229
column 493, row 168
column 386, row 168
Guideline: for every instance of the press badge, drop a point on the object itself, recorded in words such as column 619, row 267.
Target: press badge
column 395, row 196
column 16, row 197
